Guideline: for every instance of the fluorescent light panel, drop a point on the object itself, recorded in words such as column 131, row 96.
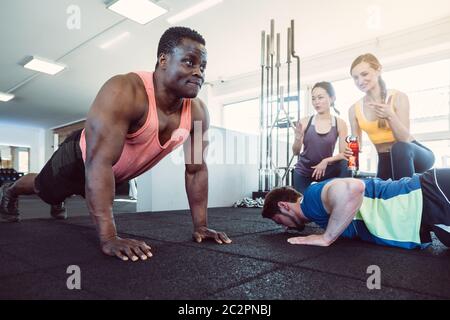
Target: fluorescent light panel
column 115, row 40
column 44, row 65
column 202, row 6
column 6, row 96
column 141, row 11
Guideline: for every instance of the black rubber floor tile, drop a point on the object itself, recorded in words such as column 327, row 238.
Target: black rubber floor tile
column 84, row 221
column 11, row 265
column 32, row 207
column 183, row 269
column 177, row 217
column 170, row 233
column 35, row 231
column 174, row 272
column 41, row 286
column 178, row 227
column 399, row 268
column 140, row 220
column 58, row 247
column 235, row 227
column 299, row 284
column 148, row 219
column 271, row 246
column 152, row 221
column 245, row 214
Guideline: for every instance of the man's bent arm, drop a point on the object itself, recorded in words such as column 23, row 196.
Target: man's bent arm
column 344, row 197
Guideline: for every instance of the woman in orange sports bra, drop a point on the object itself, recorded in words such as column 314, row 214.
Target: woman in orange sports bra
column 384, row 115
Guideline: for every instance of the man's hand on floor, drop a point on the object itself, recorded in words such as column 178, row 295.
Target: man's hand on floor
column 126, row 249
column 312, row 240
column 205, row 233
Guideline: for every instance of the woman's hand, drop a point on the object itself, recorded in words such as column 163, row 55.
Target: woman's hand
column 299, row 131
column 319, row 170
column 382, row 110
column 348, row 152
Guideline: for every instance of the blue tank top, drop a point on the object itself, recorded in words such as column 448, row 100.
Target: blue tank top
column 391, row 212
column 317, row 147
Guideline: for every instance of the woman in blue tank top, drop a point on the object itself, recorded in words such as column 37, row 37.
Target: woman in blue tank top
column 318, row 136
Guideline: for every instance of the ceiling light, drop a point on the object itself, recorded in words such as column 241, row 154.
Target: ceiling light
column 202, row 6
column 141, row 11
column 6, row 96
column 44, row 65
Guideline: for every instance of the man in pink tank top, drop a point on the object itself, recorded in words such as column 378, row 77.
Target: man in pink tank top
column 135, row 120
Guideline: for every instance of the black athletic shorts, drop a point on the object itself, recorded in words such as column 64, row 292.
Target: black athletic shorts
column 435, row 185
column 63, row 175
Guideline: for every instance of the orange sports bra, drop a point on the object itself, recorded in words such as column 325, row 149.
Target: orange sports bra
column 376, row 135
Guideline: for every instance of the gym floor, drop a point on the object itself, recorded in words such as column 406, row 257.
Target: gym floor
column 259, row 264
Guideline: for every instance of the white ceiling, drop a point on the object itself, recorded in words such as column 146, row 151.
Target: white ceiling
column 232, row 32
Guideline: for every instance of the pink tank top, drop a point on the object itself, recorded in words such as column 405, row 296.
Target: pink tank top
column 142, row 149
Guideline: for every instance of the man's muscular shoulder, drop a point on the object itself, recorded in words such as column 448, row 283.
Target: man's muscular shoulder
column 127, row 95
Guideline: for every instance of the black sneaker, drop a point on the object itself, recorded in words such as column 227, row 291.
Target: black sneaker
column 9, row 206
column 58, row 211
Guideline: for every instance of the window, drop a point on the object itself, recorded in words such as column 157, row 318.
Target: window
column 17, row 158
column 24, row 161
column 5, row 157
column 441, row 150
column 244, row 116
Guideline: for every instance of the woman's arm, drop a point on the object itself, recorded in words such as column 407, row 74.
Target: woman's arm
column 299, row 135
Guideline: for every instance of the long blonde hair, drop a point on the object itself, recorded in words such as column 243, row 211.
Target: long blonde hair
column 375, row 64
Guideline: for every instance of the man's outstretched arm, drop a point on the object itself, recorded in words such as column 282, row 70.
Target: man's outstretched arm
column 344, row 197
column 196, row 175
column 106, row 128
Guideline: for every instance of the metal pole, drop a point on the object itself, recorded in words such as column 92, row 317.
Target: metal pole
column 278, row 65
column 261, row 113
column 289, row 50
column 272, row 53
column 297, row 58
column 266, row 173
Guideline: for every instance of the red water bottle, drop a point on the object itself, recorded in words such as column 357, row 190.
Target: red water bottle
column 353, row 161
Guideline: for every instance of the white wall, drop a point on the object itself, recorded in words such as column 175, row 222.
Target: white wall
column 30, row 137
column 232, row 168
column 49, row 144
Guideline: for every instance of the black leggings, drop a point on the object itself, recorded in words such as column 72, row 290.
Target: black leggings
column 435, row 185
column 337, row 169
column 405, row 159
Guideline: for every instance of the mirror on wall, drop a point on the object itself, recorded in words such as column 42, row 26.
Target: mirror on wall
column 14, row 157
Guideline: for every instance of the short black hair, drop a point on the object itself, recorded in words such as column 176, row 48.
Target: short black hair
column 172, row 37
